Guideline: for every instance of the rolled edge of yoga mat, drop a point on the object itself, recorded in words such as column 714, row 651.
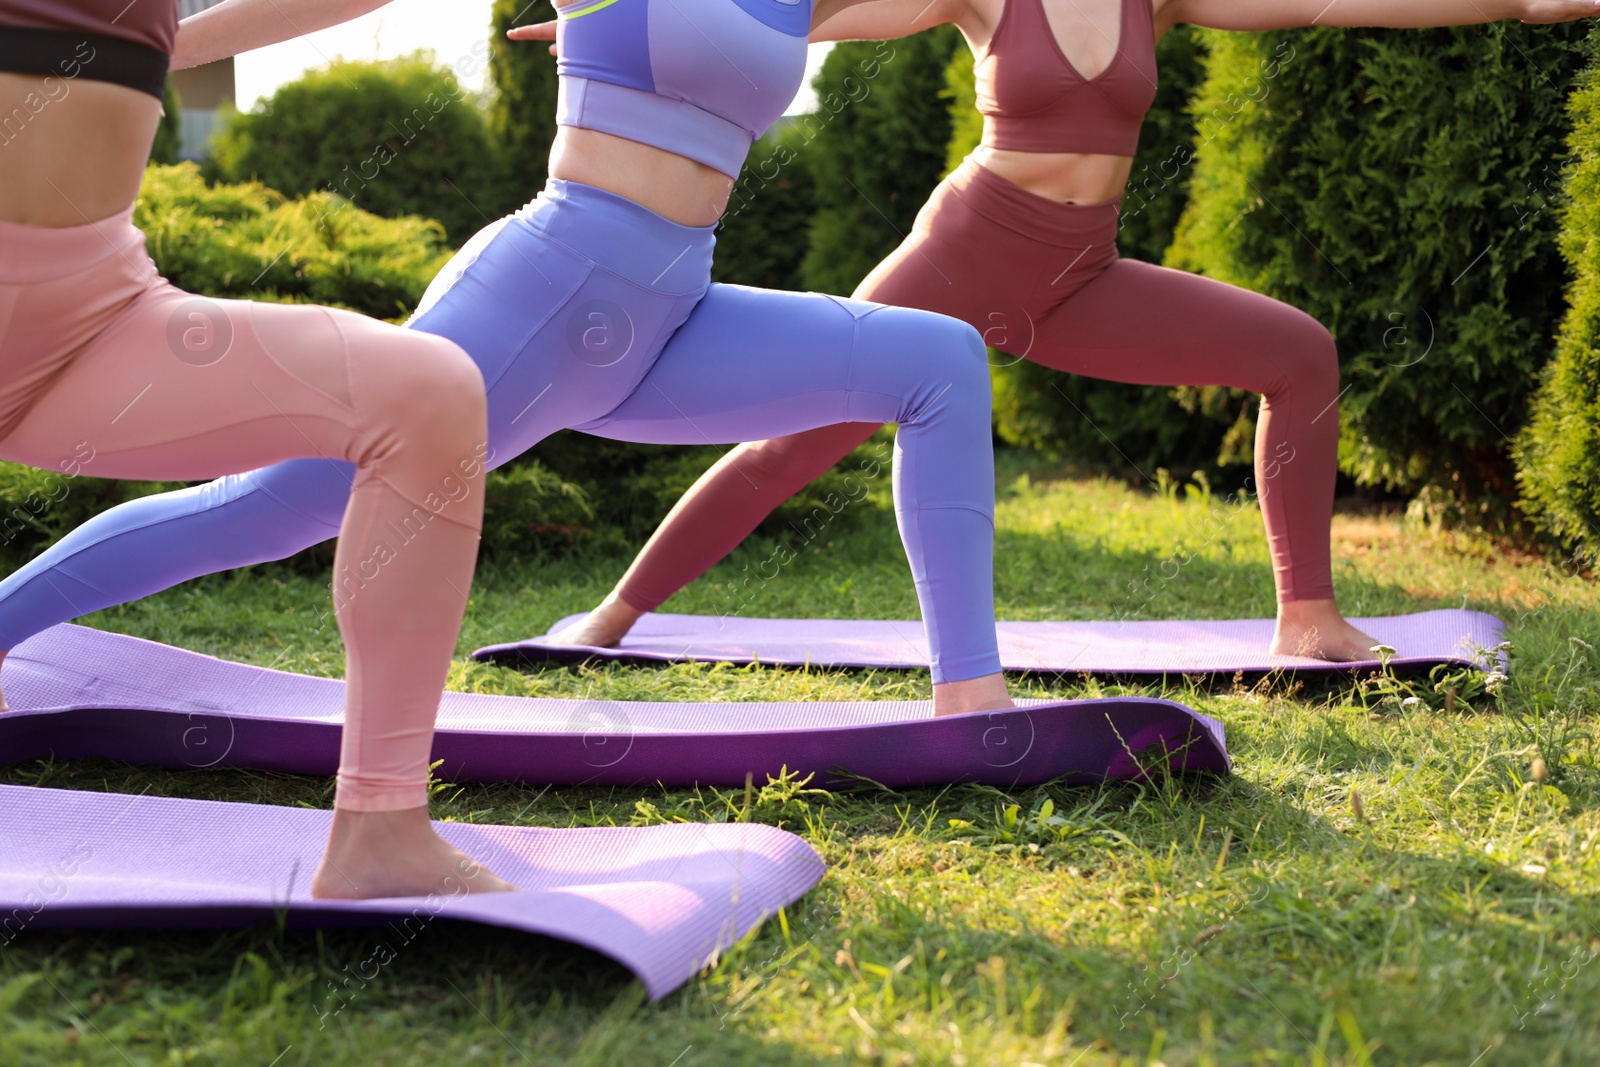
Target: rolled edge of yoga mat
column 81, row 693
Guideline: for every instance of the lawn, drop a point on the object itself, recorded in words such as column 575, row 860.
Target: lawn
column 1383, row 880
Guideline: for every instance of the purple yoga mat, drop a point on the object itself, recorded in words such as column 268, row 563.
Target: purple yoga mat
column 1071, row 648
column 660, row 900
column 79, row 693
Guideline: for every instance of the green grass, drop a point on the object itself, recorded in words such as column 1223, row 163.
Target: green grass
column 1447, row 917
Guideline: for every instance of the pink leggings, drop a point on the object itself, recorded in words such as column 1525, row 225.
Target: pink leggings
column 107, row 370
column 1042, row 281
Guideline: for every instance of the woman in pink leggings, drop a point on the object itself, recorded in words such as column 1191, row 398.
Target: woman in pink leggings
column 1020, row 241
column 107, row 370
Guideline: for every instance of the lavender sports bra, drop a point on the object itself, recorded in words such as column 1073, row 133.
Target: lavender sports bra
column 1034, row 100
column 125, row 42
column 699, row 78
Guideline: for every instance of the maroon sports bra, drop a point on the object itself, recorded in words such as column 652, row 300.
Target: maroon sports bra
column 126, row 42
column 1033, row 100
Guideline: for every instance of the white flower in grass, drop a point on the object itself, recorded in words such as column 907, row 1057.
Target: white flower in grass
column 1494, row 682
column 1580, row 645
column 1382, row 651
column 1410, row 702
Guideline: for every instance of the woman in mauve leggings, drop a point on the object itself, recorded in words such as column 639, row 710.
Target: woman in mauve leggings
column 1020, row 241
column 107, row 370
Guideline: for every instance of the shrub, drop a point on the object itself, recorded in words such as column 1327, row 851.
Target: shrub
column 395, row 137
column 1064, row 415
column 1381, row 181
column 1558, row 455
column 249, row 241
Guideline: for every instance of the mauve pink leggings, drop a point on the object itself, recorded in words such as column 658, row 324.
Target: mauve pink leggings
column 1042, row 281
column 107, row 370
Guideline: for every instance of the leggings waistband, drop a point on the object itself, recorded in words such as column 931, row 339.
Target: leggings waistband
column 1006, row 204
column 623, row 237
column 43, row 253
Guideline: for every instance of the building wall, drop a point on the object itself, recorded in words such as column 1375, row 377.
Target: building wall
column 202, row 91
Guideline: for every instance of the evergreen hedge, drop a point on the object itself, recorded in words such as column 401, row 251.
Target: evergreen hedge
column 393, row 137
column 1558, row 455
column 522, row 109
column 765, row 234
column 1386, row 182
column 1064, row 415
column 876, row 146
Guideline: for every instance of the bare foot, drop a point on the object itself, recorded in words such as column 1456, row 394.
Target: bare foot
column 1315, row 629
column 395, row 854
column 602, row 627
column 988, row 693
column 4, row 707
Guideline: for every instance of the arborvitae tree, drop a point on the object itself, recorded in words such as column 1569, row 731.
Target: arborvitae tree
column 1390, row 183
column 395, row 137
column 765, row 234
column 1071, row 416
column 1559, row 454
column 522, row 111
column 876, row 144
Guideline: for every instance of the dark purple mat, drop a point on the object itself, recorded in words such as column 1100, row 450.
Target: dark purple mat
column 1072, row 648
column 78, row 693
column 661, row 900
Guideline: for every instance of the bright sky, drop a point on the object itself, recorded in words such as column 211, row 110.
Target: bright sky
column 402, row 26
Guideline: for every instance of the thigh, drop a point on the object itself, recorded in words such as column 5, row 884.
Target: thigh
column 559, row 339
column 185, row 387
column 1149, row 325
column 750, row 364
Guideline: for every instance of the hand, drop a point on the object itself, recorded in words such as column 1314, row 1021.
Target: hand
column 1545, row 12
column 538, row 31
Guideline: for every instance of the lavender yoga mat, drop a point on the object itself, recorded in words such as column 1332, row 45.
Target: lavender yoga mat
column 79, row 693
column 660, row 900
column 1099, row 648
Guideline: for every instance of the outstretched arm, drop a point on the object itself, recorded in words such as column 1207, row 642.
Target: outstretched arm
column 235, row 26
column 1291, row 14
column 834, row 20
column 881, row 20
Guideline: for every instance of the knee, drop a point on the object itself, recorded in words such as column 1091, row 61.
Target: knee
column 949, row 353
column 1308, row 355
column 433, row 392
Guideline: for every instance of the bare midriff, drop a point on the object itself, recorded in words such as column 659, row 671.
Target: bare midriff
column 673, row 186
column 1065, row 177
column 71, row 151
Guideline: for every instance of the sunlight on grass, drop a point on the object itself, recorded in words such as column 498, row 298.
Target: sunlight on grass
column 1396, row 874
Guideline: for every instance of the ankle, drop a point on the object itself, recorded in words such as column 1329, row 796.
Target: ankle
column 1308, row 612
column 614, row 608
column 988, row 693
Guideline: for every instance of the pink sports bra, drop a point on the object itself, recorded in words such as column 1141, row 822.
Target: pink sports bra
column 126, row 42
column 1034, row 100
